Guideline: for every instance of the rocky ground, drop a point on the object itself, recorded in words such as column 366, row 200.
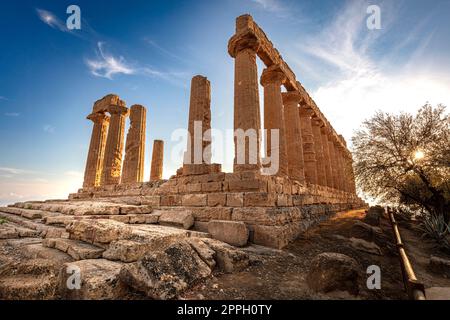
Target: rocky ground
column 134, row 252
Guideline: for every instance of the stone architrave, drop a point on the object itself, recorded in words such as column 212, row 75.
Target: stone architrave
column 309, row 152
column 94, row 163
column 294, row 145
column 247, row 118
column 320, row 159
column 112, row 165
column 326, row 156
column 157, row 160
column 133, row 164
column 271, row 79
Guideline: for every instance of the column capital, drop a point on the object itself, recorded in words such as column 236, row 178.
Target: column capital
column 112, row 109
column 272, row 75
column 291, row 97
column 305, row 111
column 243, row 41
column 98, row 117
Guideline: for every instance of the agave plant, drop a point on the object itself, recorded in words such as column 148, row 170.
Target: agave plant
column 434, row 226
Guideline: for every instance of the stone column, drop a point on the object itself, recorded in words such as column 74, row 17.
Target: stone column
column 112, row 164
column 133, row 164
column 326, row 156
column 352, row 176
column 320, row 159
column 340, row 167
column 333, row 162
column 271, row 79
column 157, row 160
column 199, row 140
column 243, row 48
column 309, row 153
column 94, row 163
column 293, row 134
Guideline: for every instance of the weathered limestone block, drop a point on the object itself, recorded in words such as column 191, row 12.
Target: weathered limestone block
column 235, row 199
column 271, row 79
column 178, row 218
column 231, row 232
column 157, row 160
column 94, row 162
column 165, row 274
column 207, row 254
column 270, row 236
column 259, row 199
column 133, row 165
column 171, row 200
column 217, row 199
column 195, row 200
column 228, row 258
column 99, row 280
column 78, row 250
column 98, row 231
column 112, row 164
column 331, row 271
column 211, row 213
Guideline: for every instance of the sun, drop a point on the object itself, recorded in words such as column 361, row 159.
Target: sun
column 418, row 155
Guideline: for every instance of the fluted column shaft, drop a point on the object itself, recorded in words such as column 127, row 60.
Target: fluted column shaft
column 309, row 153
column 333, row 162
column 326, row 156
column 320, row 160
column 340, row 167
column 112, row 165
column 293, row 135
column 157, row 160
column 94, row 163
column 271, row 80
column 133, row 164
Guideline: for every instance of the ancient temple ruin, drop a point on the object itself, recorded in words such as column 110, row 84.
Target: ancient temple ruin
column 315, row 176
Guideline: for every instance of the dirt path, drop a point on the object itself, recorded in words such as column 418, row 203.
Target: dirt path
column 281, row 274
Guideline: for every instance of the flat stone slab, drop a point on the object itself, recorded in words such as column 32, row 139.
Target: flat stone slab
column 437, row 293
column 99, row 280
column 98, row 230
column 179, row 218
column 78, row 250
column 231, row 232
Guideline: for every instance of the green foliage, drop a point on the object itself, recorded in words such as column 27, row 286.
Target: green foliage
column 405, row 159
column 3, row 220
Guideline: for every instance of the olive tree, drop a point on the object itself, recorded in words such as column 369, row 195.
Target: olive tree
column 405, row 159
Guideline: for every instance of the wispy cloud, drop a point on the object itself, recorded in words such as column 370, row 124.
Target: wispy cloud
column 106, row 65
column 73, row 173
column 353, row 82
column 162, row 50
column 51, row 20
column 49, row 128
column 12, row 170
column 3, row 98
column 12, row 114
column 270, row 5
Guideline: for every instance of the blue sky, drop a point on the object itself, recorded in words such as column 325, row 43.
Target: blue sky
column 147, row 52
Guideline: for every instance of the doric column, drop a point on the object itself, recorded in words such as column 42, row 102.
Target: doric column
column 271, row 79
column 340, row 167
column 333, row 162
column 199, row 126
column 352, row 176
column 309, row 153
column 112, row 165
column 94, row 163
column 157, row 160
column 320, row 159
column 242, row 47
column 293, row 133
column 133, row 164
column 326, row 156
